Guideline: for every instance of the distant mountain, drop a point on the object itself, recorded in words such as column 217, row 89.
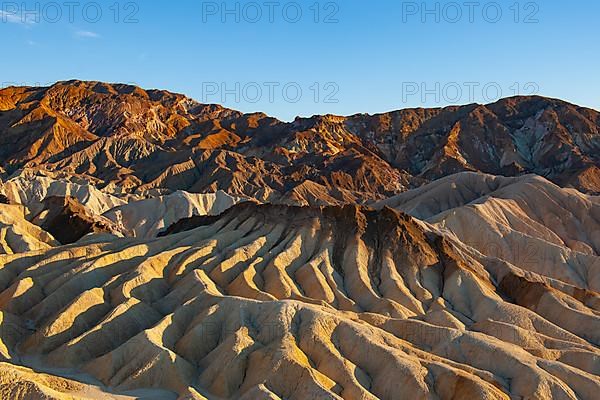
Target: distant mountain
column 155, row 140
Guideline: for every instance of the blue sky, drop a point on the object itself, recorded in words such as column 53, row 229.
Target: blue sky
column 286, row 59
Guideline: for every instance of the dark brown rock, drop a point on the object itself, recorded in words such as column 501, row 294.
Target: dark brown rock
column 68, row 220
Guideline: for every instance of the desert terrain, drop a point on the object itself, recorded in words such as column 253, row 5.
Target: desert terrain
column 153, row 247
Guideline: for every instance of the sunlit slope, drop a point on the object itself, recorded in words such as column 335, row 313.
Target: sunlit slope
column 280, row 302
column 527, row 221
column 17, row 235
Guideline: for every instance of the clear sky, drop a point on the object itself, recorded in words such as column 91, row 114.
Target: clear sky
column 289, row 58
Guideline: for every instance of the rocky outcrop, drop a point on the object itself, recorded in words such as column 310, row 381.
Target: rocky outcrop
column 68, row 220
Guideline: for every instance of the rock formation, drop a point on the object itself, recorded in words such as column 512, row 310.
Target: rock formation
column 286, row 302
column 158, row 248
column 147, row 218
column 17, row 235
column 68, row 220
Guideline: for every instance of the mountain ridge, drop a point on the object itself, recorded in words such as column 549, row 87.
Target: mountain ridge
column 155, row 139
